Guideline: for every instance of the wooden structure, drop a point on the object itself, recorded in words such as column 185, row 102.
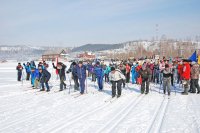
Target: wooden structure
column 52, row 55
column 86, row 55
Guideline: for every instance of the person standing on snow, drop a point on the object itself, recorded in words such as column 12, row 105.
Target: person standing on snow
column 144, row 73
column 106, row 72
column 166, row 79
column 98, row 70
column 128, row 70
column 35, row 77
column 180, row 72
column 19, row 69
column 81, row 73
column 195, row 78
column 28, row 70
column 61, row 71
column 186, row 76
column 133, row 72
column 45, row 77
column 122, row 69
column 74, row 75
column 116, row 77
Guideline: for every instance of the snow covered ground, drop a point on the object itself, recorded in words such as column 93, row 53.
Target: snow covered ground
column 23, row 110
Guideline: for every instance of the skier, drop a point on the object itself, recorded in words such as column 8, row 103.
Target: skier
column 195, row 78
column 81, row 73
column 144, row 73
column 180, row 72
column 186, row 76
column 156, row 72
column 74, row 75
column 166, row 79
column 19, row 69
column 161, row 67
column 28, row 70
column 133, row 72
column 122, row 68
column 128, row 70
column 116, row 77
column 45, row 77
column 98, row 70
column 35, row 77
column 61, row 71
column 106, row 72
column 92, row 72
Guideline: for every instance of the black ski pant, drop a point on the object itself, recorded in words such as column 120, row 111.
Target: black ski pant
column 172, row 79
column 93, row 77
column 128, row 77
column 106, row 78
column 143, row 88
column 179, row 79
column 19, row 76
column 117, row 84
column 76, row 83
column 28, row 75
column 195, row 85
column 62, row 83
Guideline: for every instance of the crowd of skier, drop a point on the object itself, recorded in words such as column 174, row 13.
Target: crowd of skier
column 165, row 72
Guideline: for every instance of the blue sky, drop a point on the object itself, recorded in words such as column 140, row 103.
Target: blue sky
column 78, row 22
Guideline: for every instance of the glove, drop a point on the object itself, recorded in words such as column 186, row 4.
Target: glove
column 24, row 64
column 53, row 64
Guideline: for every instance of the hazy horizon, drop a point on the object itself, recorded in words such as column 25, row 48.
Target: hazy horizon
column 74, row 23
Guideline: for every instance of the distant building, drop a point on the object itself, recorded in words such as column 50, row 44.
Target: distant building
column 86, row 55
column 52, row 55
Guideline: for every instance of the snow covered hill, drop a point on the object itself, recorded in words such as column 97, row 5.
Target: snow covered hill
column 23, row 110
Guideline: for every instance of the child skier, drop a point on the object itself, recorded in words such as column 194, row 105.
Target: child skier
column 19, row 69
column 74, row 75
column 144, row 73
column 98, row 70
column 45, row 77
column 81, row 73
column 116, row 77
column 61, row 71
column 28, row 70
column 166, row 79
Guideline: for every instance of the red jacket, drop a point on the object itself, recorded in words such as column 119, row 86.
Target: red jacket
column 128, row 68
column 186, row 71
column 180, row 69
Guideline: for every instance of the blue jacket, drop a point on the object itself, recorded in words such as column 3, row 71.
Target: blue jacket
column 81, row 72
column 108, row 70
column 133, row 69
column 35, row 74
column 28, row 68
column 99, row 72
column 45, row 76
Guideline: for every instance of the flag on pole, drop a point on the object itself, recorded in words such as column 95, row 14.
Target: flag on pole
column 56, row 65
column 193, row 57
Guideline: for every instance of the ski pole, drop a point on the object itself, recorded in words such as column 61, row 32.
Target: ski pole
column 86, row 85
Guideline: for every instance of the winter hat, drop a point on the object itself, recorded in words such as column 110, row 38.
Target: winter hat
column 73, row 63
column 98, row 63
column 166, row 66
column 112, row 69
column 80, row 62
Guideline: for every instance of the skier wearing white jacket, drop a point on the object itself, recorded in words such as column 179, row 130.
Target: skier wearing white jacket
column 116, row 77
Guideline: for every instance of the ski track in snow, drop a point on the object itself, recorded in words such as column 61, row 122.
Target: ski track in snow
column 23, row 109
